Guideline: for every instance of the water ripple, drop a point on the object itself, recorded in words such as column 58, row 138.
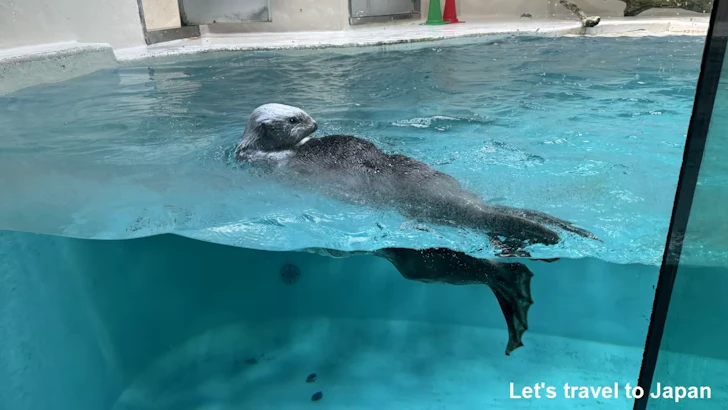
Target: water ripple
column 588, row 129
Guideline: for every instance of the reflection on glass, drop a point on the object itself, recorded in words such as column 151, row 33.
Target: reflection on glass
column 693, row 350
column 145, row 269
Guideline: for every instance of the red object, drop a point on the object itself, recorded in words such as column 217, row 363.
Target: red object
column 450, row 13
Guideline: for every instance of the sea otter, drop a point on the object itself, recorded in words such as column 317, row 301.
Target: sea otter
column 352, row 169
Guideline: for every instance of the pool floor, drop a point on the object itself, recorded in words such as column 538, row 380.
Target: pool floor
column 366, row 364
column 398, row 365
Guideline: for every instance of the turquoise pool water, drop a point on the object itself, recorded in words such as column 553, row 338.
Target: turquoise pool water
column 587, row 129
column 590, row 130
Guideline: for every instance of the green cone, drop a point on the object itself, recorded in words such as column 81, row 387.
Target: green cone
column 434, row 14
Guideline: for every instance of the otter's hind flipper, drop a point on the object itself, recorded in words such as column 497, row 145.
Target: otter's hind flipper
column 511, row 285
column 510, row 282
column 546, row 219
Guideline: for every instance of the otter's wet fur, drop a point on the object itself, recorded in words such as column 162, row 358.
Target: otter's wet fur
column 355, row 170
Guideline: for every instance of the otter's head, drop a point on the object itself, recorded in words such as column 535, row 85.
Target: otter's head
column 276, row 127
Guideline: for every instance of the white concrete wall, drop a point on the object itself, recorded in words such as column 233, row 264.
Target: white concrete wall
column 32, row 22
column 161, row 14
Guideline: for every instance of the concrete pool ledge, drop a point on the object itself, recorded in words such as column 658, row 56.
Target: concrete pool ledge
column 407, row 35
column 355, row 38
column 24, row 67
column 29, row 66
column 654, row 27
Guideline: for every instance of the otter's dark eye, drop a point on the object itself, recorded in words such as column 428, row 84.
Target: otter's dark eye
column 293, row 120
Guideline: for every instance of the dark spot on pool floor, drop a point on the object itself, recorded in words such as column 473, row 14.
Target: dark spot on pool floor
column 290, row 273
column 311, row 378
column 240, row 364
column 317, row 396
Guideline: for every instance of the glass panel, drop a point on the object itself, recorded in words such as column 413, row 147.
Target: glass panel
column 144, row 266
column 693, row 359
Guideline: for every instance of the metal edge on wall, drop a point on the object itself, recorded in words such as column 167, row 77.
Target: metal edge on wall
column 160, row 36
column 382, row 19
column 182, row 14
column 186, row 21
column 416, row 14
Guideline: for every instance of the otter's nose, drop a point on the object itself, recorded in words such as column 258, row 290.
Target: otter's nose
column 315, row 126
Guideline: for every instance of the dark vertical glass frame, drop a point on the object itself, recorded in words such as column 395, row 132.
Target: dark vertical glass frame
column 700, row 124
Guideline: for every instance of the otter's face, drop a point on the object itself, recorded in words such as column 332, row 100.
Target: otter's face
column 280, row 127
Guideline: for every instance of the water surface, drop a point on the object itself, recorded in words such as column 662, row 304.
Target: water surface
column 587, row 129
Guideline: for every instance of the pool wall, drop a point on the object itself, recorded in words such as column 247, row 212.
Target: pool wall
column 49, row 42
column 79, row 319
column 55, row 353
column 82, row 319
column 37, row 22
